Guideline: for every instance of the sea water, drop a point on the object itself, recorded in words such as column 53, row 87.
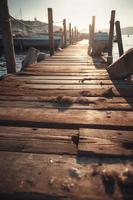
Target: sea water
column 19, row 58
column 127, row 44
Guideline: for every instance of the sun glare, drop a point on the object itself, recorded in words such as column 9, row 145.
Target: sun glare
column 80, row 12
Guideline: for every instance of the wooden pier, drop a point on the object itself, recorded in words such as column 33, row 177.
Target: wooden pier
column 66, row 130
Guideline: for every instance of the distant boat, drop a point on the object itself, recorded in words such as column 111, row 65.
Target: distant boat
column 39, row 41
column 101, row 36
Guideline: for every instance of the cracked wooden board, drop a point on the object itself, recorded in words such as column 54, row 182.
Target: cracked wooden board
column 35, row 140
column 105, row 142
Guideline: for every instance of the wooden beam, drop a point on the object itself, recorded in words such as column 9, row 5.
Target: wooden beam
column 50, row 28
column 7, row 37
column 119, row 38
column 123, row 67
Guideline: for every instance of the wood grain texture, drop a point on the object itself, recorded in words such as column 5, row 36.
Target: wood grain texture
column 34, row 140
column 66, row 131
column 61, row 177
column 105, row 142
column 43, row 116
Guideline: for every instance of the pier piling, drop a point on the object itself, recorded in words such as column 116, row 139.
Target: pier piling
column 111, row 35
column 70, row 34
column 50, row 28
column 119, row 38
column 90, row 40
column 64, row 33
column 93, row 29
column 75, row 34
column 7, row 37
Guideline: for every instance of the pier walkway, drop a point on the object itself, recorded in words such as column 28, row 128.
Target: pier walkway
column 66, row 130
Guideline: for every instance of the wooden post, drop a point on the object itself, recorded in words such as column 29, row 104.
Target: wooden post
column 90, row 37
column 70, row 34
column 119, row 38
column 92, row 30
column 50, row 28
column 61, row 32
column 75, row 34
column 111, row 35
column 64, row 33
column 7, row 37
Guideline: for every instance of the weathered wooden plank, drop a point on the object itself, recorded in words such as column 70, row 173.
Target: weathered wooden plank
column 70, row 59
column 36, row 140
column 91, row 100
column 38, row 101
column 110, row 88
column 29, row 77
column 70, row 118
column 59, row 65
column 65, row 78
column 79, row 62
column 81, row 81
column 90, row 65
column 78, row 82
column 65, row 102
column 108, row 92
column 69, row 55
column 63, row 70
column 33, row 73
column 33, row 176
column 105, row 142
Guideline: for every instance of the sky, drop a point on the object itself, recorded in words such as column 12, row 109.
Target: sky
column 78, row 12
